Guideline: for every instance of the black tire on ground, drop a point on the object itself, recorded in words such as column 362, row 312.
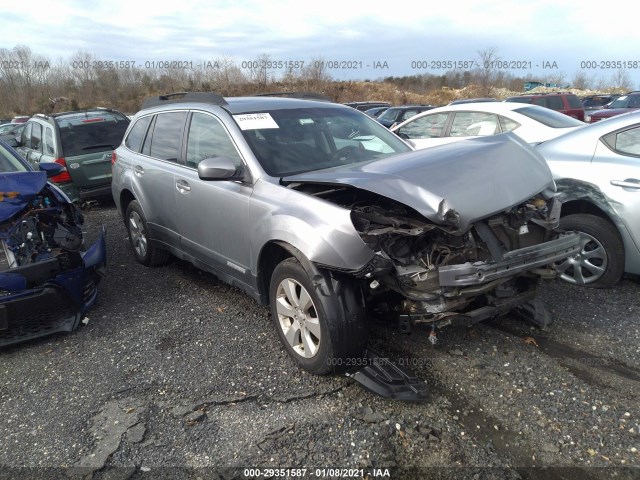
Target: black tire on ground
column 322, row 324
column 145, row 251
column 601, row 262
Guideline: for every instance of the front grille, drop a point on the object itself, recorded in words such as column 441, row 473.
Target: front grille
column 90, row 288
column 45, row 312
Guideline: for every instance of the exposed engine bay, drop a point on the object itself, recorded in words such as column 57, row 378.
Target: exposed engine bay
column 45, row 235
column 437, row 273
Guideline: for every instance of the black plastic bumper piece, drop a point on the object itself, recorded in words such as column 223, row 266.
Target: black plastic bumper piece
column 383, row 377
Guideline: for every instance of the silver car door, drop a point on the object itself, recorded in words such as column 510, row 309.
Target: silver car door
column 213, row 215
column 616, row 168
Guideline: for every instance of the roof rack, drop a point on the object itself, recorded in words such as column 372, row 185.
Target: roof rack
column 71, row 112
column 180, row 97
column 300, row 95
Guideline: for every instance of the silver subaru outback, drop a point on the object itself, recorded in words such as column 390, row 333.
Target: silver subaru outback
column 317, row 210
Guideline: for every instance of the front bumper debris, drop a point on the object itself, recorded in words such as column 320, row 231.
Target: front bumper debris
column 513, row 262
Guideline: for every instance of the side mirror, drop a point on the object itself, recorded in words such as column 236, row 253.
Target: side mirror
column 51, row 168
column 219, row 168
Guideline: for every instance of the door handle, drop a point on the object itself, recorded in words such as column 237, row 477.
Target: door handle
column 628, row 183
column 182, row 186
column 138, row 170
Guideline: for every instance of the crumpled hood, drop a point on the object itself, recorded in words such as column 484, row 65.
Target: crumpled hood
column 17, row 189
column 471, row 179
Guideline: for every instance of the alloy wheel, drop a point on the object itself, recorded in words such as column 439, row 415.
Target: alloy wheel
column 298, row 318
column 587, row 266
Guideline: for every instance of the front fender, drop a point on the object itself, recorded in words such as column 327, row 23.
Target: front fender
column 321, row 231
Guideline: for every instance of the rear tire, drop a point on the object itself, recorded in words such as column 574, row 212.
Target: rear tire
column 144, row 250
column 321, row 323
column 600, row 264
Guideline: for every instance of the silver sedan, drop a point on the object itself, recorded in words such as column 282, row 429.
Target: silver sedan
column 597, row 171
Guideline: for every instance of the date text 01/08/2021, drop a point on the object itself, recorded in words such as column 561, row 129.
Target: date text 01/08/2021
column 347, row 473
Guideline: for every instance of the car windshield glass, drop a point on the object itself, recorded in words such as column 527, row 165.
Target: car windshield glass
column 549, row 117
column 620, row 102
column 9, row 163
column 391, row 114
column 300, row 140
column 88, row 134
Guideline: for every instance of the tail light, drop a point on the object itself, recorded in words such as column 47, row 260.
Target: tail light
column 62, row 177
column 114, row 157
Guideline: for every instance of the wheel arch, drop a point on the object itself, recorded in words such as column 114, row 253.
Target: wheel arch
column 270, row 256
column 126, row 197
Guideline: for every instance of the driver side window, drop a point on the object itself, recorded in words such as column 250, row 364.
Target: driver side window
column 208, row 138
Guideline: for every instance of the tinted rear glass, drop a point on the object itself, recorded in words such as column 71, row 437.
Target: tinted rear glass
column 91, row 132
column 519, row 99
column 574, row 102
column 549, row 117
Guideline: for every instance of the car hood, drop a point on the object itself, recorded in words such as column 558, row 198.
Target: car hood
column 611, row 112
column 457, row 183
column 18, row 189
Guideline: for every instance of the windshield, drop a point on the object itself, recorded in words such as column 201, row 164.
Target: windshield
column 391, row 114
column 549, row 117
column 9, row 163
column 620, row 102
column 301, row 140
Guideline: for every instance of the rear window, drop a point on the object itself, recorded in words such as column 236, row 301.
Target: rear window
column 574, row 102
column 91, row 132
column 548, row 117
column 519, row 99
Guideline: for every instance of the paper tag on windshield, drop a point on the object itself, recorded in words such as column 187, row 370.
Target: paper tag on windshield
column 255, row 121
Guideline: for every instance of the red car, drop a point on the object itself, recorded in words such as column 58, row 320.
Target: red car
column 626, row 103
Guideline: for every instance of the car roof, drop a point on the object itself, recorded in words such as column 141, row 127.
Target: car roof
column 239, row 105
column 489, row 107
column 605, row 125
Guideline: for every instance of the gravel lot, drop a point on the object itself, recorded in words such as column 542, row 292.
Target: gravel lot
column 178, row 375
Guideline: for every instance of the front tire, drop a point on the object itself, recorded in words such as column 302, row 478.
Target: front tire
column 144, row 250
column 321, row 323
column 601, row 262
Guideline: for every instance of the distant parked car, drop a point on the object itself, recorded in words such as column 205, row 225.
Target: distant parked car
column 375, row 112
column 394, row 115
column 362, row 106
column 81, row 142
column 596, row 102
column 563, row 102
column 473, row 100
column 12, row 133
column 20, row 119
column 6, row 126
column 597, row 171
column 456, row 122
column 47, row 281
column 623, row 104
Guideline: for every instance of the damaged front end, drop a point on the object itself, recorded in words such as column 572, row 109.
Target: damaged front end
column 444, row 275
column 47, row 282
column 425, row 272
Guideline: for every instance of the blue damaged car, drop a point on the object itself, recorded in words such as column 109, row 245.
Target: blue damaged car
column 48, row 280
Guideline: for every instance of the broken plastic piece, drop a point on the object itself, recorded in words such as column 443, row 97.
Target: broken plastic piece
column 536, row 313
column 383, row 377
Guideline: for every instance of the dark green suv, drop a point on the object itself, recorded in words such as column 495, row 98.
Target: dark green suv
column 81, row 142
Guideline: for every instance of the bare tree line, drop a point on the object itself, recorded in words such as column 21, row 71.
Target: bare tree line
column 32, row 83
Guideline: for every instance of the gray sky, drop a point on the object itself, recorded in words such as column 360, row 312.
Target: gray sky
column 351, row 36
